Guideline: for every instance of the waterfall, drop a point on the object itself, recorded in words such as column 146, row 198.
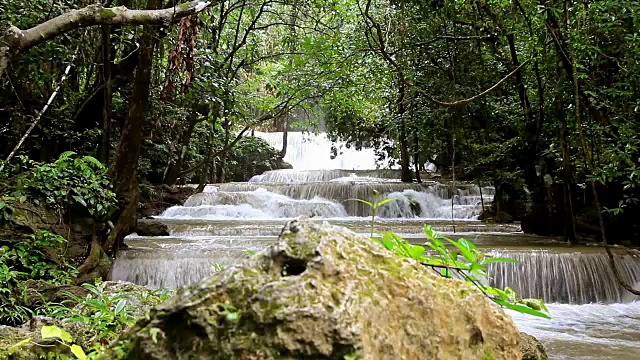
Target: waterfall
column 566, row 275
column 307, row 151
column 301, row 176
column 257, row 204
column 331, row 199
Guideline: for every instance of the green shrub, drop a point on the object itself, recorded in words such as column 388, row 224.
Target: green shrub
column 29, row 259
column 70, row 181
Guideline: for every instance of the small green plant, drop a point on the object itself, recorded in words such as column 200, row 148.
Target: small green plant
column 103, row 314
column 466, row 262
column 215, row 267
column 374, row 205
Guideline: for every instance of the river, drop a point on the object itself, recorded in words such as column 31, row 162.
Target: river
column 593, row 317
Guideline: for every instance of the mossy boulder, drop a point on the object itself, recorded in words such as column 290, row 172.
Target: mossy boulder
column 323, row 292
column 531, row 348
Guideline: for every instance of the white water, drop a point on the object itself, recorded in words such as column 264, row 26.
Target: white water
column 308, row 151
column 257, row 204
column 328, row 200
column 587, row 332
column 216, row 227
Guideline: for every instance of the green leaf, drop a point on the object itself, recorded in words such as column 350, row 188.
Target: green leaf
column 362, row 201
column 15, row 346
column 416, row 251
column 464, row 248
column 78, row 352
column 385, row 201
column 120, row 305
column 522, row 309
column 80, row 200
column 55, row 332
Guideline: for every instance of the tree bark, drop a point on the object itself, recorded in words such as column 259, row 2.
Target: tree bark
column 405, row 164
column 14, row 41
column 105, row 139
column 416, row 156
column 569, row 218
column 183, row 140
column 124, row 170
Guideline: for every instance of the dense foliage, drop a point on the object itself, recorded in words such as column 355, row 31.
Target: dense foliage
column 29, row 258
column 67, row 183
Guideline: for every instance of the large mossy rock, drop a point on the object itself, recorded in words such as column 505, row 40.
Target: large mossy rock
column 323, row 292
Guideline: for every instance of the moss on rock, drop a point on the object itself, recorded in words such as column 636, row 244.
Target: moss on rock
column 531, row 348
column 323, row 292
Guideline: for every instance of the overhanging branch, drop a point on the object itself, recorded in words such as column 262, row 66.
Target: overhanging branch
column 14, row 41
column 461, row 103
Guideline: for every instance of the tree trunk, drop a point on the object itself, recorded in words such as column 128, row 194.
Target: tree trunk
column 416, row 156
column 405, row 163
column 124, row 170
column 568, row 216
column 285, row 136
column 105, row 139
column 183, row 140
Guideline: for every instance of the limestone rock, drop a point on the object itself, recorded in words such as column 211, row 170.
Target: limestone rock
column 531, row 348
column 32, row 350
column 39, row 292
column 151, row 228
column 323, row 292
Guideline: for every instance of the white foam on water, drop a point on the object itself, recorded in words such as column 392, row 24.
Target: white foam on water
column 264, row 204
column 257, row 204
column 589, row 331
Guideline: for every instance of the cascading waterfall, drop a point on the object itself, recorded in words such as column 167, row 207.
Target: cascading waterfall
column 566, row 275
column 301, row 145
column 427, row 200
column 593, row 317
column 257, row 204
column 330, row 200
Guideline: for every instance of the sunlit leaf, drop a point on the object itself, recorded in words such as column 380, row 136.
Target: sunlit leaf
column 78, row 352
column 52, row 331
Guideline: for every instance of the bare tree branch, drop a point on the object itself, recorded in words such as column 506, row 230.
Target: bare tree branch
column 14, row 41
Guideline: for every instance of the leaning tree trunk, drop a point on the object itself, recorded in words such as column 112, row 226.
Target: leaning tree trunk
column 285, row 137
column 124, row 170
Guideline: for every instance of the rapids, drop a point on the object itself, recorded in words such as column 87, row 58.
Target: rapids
column 593, row 317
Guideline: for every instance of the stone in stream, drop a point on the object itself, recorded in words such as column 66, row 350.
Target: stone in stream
column 531, row 348
column 323, row 292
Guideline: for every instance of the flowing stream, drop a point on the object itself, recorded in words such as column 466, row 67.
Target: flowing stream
column 593, row 317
